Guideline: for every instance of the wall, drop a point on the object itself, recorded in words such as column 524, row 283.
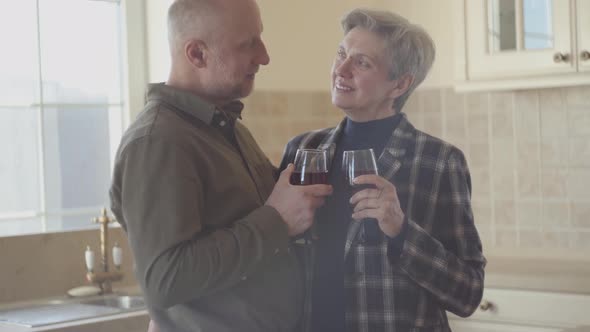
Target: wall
column 301, row 37
column 46, row 265
column 528, row 153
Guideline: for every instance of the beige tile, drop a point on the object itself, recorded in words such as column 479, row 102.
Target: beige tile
column 544, row 239
column 431, row 101
column 503, row 166
column 552, row 100
column 482, row 212
column 578, row 96
column 579, row 151
column 553, row 123
column 526, row 100
column 503, row 155
column 579, row 184
column 579, row 121
column 485, row 234
column 527, row 124
column 502, row 123
column 531, row 239
column 555, row 239
column 477, row 102
column 581, row 214
column 528, row 154
column 278, row 104
column 480, row 178
column 506, row 238
column 555, row 213
column 479, row 155
column 528, row 183
column 554, row 152
column 529, row 213
column 503, row 183
column 454, row 102
column 501, row 101
column 554, row 182
column 478, row 126
column 504, row 211
column 433, row 124
column 580, row 240
column 455, row 125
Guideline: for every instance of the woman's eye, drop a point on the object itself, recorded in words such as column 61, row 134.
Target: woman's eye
column 363, row 63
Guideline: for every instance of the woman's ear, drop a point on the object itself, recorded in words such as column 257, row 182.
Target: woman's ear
column 196, row 52
column 402, row 85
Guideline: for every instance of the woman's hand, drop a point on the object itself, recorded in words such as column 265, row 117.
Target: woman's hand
column 380, row 202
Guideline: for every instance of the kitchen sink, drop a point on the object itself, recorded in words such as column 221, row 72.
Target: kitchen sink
column 66, row 310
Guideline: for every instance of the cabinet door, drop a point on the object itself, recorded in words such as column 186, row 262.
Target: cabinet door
column 583, row 11
column 518, row 38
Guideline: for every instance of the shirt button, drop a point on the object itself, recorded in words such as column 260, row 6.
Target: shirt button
column 222, row 123
column 244, row 278
column 277, row 251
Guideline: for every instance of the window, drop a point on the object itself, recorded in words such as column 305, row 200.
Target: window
column 61, row 111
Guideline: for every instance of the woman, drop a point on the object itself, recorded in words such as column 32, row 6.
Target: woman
column 427, row 257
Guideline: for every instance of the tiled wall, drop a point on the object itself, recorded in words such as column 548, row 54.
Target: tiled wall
column 528, row 152
column 46, row 265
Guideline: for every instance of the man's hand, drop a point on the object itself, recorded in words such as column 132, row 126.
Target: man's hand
column 297, row 204
column 380, row 202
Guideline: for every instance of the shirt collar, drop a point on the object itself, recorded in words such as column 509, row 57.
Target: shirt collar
column 192, row 104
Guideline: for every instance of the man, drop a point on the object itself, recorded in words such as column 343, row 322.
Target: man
column 398, row 255
column 209, row 234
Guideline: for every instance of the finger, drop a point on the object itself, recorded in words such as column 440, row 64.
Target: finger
column 373, row 179
column 316, row 202
column 364, row 194
column 367, row 213
column 366, row 204
column 318, row 190
column 286, row 174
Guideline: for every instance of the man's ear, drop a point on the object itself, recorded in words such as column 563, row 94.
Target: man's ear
column 195, row 51
column 402, row 85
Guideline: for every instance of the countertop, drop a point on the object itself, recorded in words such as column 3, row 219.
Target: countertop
column 135, row 321
column 555, row 272
column 132, row 321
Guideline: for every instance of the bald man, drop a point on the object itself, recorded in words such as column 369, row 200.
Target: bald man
column 209, row 229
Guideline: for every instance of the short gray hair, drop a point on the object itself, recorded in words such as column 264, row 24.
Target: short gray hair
column 185, row 18
column 408, row 45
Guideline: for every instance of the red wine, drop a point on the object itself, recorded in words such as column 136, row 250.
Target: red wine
column 308, row 178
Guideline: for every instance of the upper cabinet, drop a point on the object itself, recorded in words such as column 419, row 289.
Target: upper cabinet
column 525, row 43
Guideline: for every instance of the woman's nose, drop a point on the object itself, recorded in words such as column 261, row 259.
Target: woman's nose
column 342, row 67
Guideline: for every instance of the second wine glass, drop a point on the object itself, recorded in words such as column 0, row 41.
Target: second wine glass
column 354, row 164
column 311, row 167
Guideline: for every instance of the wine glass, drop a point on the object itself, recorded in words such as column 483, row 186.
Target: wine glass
column 311, row 167
column 356, row 163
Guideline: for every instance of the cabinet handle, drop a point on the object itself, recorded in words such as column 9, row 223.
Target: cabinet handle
column 585, row 55
column 486, row 305
column 561, row 57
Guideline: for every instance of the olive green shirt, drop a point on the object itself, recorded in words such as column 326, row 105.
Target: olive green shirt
column 189, row 188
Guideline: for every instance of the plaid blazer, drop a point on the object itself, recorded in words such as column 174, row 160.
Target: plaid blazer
column 441, row 266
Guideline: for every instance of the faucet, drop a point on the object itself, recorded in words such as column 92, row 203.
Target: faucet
column 104, row 278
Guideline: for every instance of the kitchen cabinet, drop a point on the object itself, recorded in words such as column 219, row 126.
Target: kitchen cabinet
column 509, row 310
column 511, row 44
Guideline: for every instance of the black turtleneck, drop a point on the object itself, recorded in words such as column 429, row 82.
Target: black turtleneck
column 332, row 220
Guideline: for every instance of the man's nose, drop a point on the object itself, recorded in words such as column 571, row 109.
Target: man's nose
column 263, row 58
